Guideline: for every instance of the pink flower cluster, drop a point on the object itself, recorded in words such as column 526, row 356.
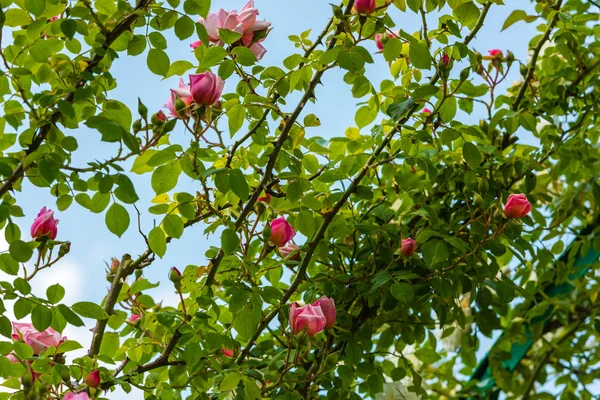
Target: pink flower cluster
column 243, row 22
column 313, row 317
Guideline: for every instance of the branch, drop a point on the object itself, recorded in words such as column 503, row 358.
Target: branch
column 285, row 131
column 534, row 57
column 45, row 129
column 314, row 241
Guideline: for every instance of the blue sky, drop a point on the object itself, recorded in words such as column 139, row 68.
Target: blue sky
column 82, row 272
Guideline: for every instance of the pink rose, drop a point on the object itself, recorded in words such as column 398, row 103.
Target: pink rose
column 426, row 111
column 328, row 307
column 307, row 317
column 244, row 23
column 290, row 252
column 517, row 206
column 182, row 92
column 281, row 232
column 134, row 317
column 76, row 396
column 408, row 247
column 54, row 18
column 227, row 352
column 38, row 341
column 206, row 88
column 93, row 379
column 196, row 44
column 495, row 52
column 44, row 225
column 365, row 6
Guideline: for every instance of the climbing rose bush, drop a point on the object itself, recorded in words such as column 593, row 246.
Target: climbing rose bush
column 444, row 244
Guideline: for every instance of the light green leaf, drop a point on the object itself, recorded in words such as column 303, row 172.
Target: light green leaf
column 89, row 310
column 157, row 241
column 158, row 62
column 117, row 219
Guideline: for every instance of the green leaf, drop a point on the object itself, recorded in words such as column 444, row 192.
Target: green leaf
column 68, row 27
column 165, row 177
column 472, row 155
column 434, row 252
column 229, row 37
column 403, row 292
column 235, row 117
column 117, row 219
column 245, row 323
column 55, row 293
column 213, row 56
column 5, row 326
column 41, row 317
column 158, row 62
column 229, row 241
column 173, row 225
column 89, row 310
column 69, row 315
column 238, row 184
column 36, row 7
column 230, row 381
column 466, row 13
column 515, row 16
column 17, row 17
column 419, row 55
column 364, row 116
column 20, row 251
column 110, row 344
column 184, row 27
column 157, row 241
column 179, row 68
column 398, row 109
column 69, row 345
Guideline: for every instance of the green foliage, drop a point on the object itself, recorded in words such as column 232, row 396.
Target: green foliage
column 409, row 323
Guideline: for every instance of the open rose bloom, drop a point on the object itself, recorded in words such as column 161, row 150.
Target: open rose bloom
column 39, row 341
column 243, row 22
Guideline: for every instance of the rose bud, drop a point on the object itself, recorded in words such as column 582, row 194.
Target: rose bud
column 114, row 265
column 307, row 317
column 517, row 206
column 227, row 352
column 134, row 318
column 44, row 225
column 281, row 232
column 365, row 6
column 175, row 275
column 426, row 111
column 206, row 88
column 408, row 247
column 93, row 379
column 328, row 307
column 160, row 116
column 196, row 44
column 445, row 59
column 64, row 249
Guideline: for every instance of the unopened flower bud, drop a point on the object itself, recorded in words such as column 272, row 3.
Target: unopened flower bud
column 93, row 379
column 175, row 276
column 137, row 125
column 64, row 249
